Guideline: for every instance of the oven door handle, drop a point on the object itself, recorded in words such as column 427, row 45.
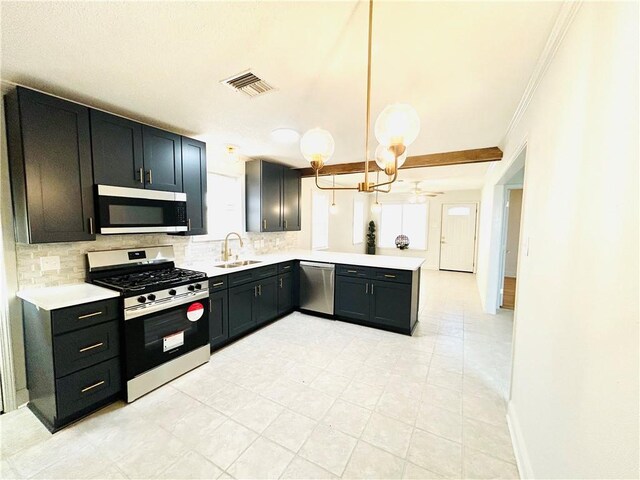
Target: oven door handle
column 164, row 305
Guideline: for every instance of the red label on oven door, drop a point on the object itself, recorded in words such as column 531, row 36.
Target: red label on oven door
column 195, row 311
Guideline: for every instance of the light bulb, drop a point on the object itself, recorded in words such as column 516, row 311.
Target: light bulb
column 317, row 146
column 333, row 209
column 397, row 124
column 376, row 208
column 385, row 159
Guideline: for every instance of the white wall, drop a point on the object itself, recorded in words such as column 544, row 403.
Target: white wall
column 574, row 400
column 432, row 253
column 513, row 232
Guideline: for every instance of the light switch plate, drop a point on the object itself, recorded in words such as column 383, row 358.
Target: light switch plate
column 49, row 263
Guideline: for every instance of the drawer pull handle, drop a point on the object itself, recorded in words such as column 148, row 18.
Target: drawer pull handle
column 218, row 284
column 91, row 387
column 286, row 267
column 389, row 276
column 352, row 271
column 366, row 288
column 89, row 315
column 91, row 347
column 372, row 289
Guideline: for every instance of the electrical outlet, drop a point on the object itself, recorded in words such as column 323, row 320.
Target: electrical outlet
column 49, row 263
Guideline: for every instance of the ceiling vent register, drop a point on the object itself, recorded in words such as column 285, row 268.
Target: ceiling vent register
column 248, row 83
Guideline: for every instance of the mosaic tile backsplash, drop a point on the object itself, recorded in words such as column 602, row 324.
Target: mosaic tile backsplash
column 189, row 253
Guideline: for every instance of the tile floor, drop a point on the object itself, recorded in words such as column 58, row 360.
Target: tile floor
column 307, row 398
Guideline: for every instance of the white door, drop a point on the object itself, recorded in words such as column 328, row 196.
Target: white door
column 458, row 237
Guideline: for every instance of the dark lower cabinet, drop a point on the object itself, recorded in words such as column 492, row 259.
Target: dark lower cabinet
column 242, row 308
column 162, row 159
column 49, row 145
column 391, row 304
column 267, row 300
column 285, row 293
column 352, row 299
column 194, row 184
column 219, row 318
column 72, row 372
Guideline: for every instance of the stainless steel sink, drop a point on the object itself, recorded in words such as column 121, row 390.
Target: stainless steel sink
column 241, row 263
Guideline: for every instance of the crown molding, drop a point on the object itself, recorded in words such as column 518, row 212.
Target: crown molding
column 563, row 21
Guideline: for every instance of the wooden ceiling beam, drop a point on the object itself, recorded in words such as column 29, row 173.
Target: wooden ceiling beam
column 476, row 155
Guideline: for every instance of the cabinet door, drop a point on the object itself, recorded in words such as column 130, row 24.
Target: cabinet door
column 242, row 308
column 391, row 304
column 54, row 163
column 194, row 184
column 291, row 199
column 271, row 197
column 162, row 159
column 285, row 293
column 352, row 298
column 116, row 145
column 218, row 318
column 267, row 300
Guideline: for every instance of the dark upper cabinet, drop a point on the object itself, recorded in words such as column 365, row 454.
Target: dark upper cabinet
column 162, row 159
column 194, row 184
column 116, row 145
column 51, row 174
column 285, row 293
column 267, row 300
column 218, row 318
column 272, row 197
column 352, row 299
column 291, row 197
column 242, row 308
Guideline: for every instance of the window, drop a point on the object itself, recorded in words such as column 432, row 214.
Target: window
column 403, row 219
column 320, row 221
column 225, row 207
column 358, row 222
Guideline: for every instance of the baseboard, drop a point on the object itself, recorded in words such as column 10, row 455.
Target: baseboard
column 519, row 447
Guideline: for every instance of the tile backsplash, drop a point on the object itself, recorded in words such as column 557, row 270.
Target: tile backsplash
column 189, row 251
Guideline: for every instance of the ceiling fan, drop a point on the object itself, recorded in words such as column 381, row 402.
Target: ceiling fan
column 418, row 195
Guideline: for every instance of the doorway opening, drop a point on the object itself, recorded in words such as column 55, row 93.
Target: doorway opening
column 511, row 246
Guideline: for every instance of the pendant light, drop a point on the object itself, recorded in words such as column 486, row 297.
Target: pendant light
column 333, row 209
column 396, row 128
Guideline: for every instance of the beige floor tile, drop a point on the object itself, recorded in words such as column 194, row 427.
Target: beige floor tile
column 328, row 448
column 414, row 472
column 330, row 383
column 369, row 462
column 490, row 439
column 263, row 459
column 362, row 394
column 398, row 406
column 198, row 425
column 192, row 465
column 479, row 465
column 84, row 463
column 440, row 422
column 302, row 469
column 347, row 417
column 231, row 399
column 489, row 410
column 389, row 434
column 226, row 444
column 290, row 430
column 443, row 397
column 311, row 403
column 436, row 454
column 258, row 413
column 151, row 457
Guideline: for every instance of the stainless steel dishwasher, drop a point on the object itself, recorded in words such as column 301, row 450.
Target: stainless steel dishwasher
column 317, row 282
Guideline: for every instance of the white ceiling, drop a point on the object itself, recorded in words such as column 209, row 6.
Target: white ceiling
column 462, row 65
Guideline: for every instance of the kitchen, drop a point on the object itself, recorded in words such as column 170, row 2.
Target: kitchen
column 202, row 276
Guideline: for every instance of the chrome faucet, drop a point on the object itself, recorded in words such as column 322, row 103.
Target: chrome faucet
column 227, row 253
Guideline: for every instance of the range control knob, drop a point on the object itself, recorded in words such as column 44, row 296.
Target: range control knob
column 191, row 288
column 172, row 292
column 151, row 297
column 198, row 286
column 142, row 299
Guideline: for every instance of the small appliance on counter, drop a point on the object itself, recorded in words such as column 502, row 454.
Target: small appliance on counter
column 165, row 311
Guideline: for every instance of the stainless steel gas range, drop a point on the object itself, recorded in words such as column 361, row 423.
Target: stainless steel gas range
column 166, row 314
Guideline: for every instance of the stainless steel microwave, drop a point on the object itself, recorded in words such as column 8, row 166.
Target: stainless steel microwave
column 133, row 210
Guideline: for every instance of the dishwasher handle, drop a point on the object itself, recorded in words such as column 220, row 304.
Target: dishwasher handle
column 324, row 266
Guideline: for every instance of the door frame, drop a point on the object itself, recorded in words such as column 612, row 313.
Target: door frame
column 475, row 235
column 503, row 238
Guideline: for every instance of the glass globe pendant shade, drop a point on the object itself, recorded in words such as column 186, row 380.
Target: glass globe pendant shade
column 397, row 124
column 385, row 158
column 317, row 146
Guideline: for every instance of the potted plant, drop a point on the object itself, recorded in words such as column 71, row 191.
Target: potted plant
column 371, row 239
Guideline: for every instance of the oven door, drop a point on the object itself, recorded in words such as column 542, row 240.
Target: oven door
column 158, row 337
column 133, row 210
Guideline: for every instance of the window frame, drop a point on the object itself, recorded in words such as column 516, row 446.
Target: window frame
column 402, row 206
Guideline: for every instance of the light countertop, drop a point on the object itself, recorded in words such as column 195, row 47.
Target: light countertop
column 52, row 298
column 360, row 259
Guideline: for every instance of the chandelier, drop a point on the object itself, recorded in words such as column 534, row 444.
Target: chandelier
column 396, row 128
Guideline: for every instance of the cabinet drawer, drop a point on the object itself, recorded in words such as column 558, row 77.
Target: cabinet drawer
column 241, row 278
column 264, row 272
column 218, row 283
column 400, row 276
column 83, row 348
column 83, row 389
column 353, row 271
column 286, row 267
column 85, row 315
